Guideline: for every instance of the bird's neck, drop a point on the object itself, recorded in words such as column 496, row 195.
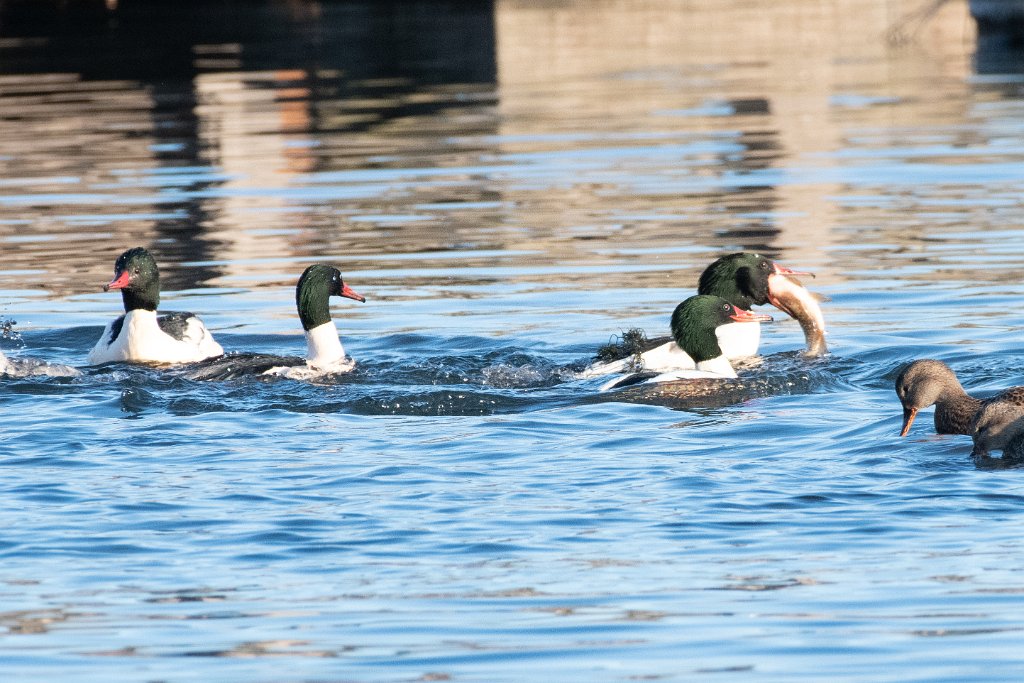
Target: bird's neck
column 146, row 299
column 323, row 347
column 954, row 412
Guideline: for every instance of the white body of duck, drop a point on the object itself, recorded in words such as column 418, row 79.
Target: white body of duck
column 141, row 335
column 137, row 337
column 325, row 355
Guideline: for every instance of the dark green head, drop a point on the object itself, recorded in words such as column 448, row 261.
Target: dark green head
column 138, row 278
column 318, row 283
column 740, row 278
column 695, row 320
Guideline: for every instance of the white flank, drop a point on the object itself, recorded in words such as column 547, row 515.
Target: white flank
column 142, row 341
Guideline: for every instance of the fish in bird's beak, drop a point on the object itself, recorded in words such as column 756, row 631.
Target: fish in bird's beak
column 119, row 282
column 742, row 316
column 787, row 294
column 350, row 293
column 908, row 419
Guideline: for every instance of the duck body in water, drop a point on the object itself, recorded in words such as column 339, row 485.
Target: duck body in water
column 141, row 335
column 695, row 324
column 744, row 279
column 325, row 354
column 998, row 426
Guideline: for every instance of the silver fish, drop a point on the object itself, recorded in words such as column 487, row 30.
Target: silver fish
column 787, row 294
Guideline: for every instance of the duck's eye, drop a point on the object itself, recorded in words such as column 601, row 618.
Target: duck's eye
column 727, row 308
column 763, row 265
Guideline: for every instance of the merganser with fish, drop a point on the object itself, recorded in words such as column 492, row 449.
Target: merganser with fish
column 744, row 279
column 142, row 336
column 928, row 382
column 324, row 352
column 695, row 326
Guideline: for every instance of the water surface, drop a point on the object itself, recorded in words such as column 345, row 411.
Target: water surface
column 510, row 185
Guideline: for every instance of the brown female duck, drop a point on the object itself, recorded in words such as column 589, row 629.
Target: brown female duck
column 929, row 382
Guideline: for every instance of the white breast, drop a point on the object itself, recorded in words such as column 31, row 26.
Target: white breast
column 739, row 340
column 142, row 341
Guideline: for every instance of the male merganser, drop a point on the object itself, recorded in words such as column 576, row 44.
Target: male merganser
column 142, row 336
column 929, row 382
column 695, row 329
column 324, row 352
column 999, row 426
column 743, row 279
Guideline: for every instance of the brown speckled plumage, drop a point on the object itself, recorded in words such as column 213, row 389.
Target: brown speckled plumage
column 929, row 382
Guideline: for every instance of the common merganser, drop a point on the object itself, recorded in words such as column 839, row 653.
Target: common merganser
column 929, row 382
column 695, row 329
column 743, row 279
column 999, row 426
column 324, row 351
column 142, row 336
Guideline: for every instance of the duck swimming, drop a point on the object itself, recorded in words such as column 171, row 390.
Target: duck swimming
column 142, row 336
column 324, row 351
column 695, row 327
column 743, row 279
column 928, row 382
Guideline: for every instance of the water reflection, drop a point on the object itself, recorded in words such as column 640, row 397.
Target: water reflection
column 221, row 136
column 183, row 129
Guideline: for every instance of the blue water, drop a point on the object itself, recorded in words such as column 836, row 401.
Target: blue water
column 462, row 506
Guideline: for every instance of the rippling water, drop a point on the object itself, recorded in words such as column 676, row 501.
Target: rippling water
column 510, row 185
